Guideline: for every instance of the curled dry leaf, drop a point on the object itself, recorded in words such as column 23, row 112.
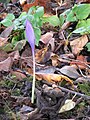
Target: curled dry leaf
column 54, row 58
column 42, row 55
column 78, row 44
column 52, row 78
column 46, row 37
column 6, row 65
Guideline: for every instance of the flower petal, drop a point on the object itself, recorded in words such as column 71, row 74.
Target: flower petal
column 30, row 34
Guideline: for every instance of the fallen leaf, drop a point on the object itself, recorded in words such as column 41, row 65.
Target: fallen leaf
column 15, row 55
column 18, row 75
column 44, row 3
column 3, row 41
column 82, row 1
column 52, row 44
column 78, row 44
column 55, row 61
column 46, row 37
column 26, row 109
column 83, row 79
column 8, row 47
column 70, row 72
column 20, row 45
column 6, row 65
column 52, row 78
column 7, row 32
column 69, row 104
column 81, row 62
column 3, row 55
column 42, row 55
column 48, row 69
column 65, row 25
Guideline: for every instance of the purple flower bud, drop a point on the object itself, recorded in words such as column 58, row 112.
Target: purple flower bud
column 30, row 35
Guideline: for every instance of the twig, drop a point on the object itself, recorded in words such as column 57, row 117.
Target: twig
column 73, row 92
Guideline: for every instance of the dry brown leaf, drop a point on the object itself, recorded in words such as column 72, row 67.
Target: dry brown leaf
column 78, row 44
column 46, row 37
column 52, row 44
column 6, row 65
column 82, row 1
column 65, row 25
column 18, row 75
column 7, row 32
column 42, row 55
column 3, row 55
column 52, row 78
column 44, row 3
column 80, row 62
column 55, row 61
column 15, row 55
column 70, row 71
column 3, row 41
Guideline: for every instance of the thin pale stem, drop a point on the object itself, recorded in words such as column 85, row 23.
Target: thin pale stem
column 33, row 85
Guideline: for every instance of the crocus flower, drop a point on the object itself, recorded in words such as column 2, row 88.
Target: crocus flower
column 30, row 35
column 31, row 39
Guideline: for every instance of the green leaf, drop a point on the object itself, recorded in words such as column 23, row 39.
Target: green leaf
column 8, row 20
column 83, row 27
column 37, row 34
column 83, row 23
column 38, row 21
column 53, row 20
column 10, row 16
column 71, row 17
column 40, row 11
column 80, row 30
column 88, row 46
column 63, row 16
column 32, row 10
column 22, row 14
column 82, row 11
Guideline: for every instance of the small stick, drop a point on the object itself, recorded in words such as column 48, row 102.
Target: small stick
column 73, row 92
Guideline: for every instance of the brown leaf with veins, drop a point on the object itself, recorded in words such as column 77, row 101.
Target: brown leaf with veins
column 52, row 78
column 78, row 44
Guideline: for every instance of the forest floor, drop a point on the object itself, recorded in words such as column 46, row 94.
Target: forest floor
column 62, row 63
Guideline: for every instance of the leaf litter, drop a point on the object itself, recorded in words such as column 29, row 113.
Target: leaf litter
column 62, row 70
